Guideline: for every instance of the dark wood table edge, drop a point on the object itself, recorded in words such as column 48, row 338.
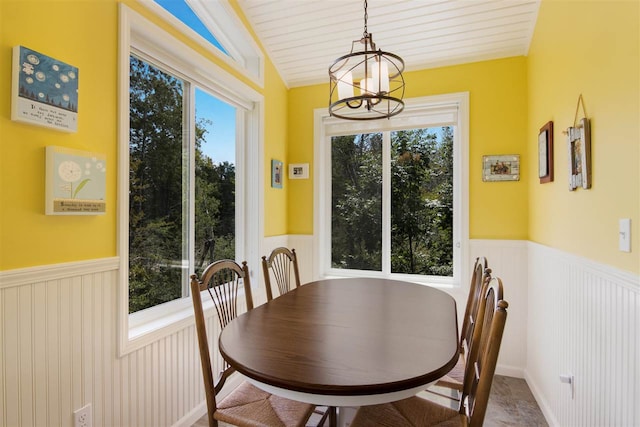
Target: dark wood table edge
column 359, row 390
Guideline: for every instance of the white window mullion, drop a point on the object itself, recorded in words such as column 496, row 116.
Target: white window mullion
column 189, row 173
column 386, row 202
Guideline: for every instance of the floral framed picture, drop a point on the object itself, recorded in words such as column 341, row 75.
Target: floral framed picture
column 545, row 153
column 75, row 182
column 579, row 154
column 501, row 168
column 276, row 173
column 44, row 90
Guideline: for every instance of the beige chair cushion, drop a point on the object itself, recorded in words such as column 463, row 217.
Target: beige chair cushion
column 410, row 412
column 249, row 406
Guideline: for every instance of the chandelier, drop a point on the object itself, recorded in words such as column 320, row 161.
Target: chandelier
column 380, row 88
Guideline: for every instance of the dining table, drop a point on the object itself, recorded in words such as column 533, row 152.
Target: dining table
column 346, row 342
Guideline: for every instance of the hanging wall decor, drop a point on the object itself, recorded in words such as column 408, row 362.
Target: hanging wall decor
column 44, row 90
column 299, row 171
column 545, row 153
column 75, row 182
column 579, row 150
column 501, row 168
column 276, row 173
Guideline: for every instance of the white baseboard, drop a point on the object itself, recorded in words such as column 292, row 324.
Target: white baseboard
column 509, row 371
column 541, row 400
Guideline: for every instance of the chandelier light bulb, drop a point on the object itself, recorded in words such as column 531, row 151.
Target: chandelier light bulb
column 381, row 77
column 345, row 84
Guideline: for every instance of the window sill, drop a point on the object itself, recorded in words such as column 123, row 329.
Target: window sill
column 148, row 326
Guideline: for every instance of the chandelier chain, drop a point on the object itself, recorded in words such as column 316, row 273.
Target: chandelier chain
column 366, row 15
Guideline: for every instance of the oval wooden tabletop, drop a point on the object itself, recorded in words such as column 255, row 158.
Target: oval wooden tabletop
column 356, row 336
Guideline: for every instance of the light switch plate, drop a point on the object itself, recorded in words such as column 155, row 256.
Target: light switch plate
column 624, row 243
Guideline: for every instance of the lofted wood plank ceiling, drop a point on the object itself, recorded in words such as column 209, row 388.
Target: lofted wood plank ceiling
column 303, row 37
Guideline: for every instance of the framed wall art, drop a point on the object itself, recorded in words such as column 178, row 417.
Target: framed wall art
column 298, row 170
column 501, row 168
column 545, row 153
column 75, row 182
column 579, row 153
column 276, row 173
column 44, row 90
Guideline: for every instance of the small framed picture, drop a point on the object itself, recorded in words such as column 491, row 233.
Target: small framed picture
column 75, row 182
column 276, row 173
column 299, row 171
column 501, row 168
column 579, row 147
column 44, row 90
column 545, row 153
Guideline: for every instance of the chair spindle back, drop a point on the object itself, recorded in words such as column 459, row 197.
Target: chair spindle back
column 221, row 280
column 481, row 275
column 483, row 357
column 282, row 262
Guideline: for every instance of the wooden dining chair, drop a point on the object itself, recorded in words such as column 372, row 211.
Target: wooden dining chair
column 454, row 378
column 483, row 357
column 283, row 265
column 246, row 405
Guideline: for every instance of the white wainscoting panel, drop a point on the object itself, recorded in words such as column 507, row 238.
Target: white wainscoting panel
column 567, row 315
column 303, row 245
column 584, row 320
column 58, row 353
column 508, row 261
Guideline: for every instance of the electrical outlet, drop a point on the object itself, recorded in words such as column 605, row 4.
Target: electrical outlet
column 82, row 417
column 571, row 380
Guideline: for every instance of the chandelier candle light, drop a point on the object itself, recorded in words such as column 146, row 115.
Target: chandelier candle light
column 379, row 92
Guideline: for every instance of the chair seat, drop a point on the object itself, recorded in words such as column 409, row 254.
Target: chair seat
column 410, row 412
column 454, row 377
column 249, row 406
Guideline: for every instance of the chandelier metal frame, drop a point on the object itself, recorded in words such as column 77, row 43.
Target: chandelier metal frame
column 381, row 87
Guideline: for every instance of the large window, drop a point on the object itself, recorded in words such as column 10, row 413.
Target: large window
column 188, row 177
column 165, row 144
column 391, row 193
column 421, row 195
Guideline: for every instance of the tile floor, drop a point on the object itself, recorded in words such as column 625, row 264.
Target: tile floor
column 510, row 404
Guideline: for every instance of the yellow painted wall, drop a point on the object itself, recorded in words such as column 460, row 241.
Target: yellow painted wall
column 275, row 199
column 498, row 123
column 510, row 99
column 589, row 48
column 275, row 141
column 84, row 33
column 302, row 102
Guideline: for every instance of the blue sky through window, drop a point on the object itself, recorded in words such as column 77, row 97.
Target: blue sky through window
column 220, row 139
column 181, row 10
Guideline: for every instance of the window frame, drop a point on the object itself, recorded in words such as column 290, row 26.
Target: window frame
column 244, row 54
column 141, row 37
column 437, row 107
